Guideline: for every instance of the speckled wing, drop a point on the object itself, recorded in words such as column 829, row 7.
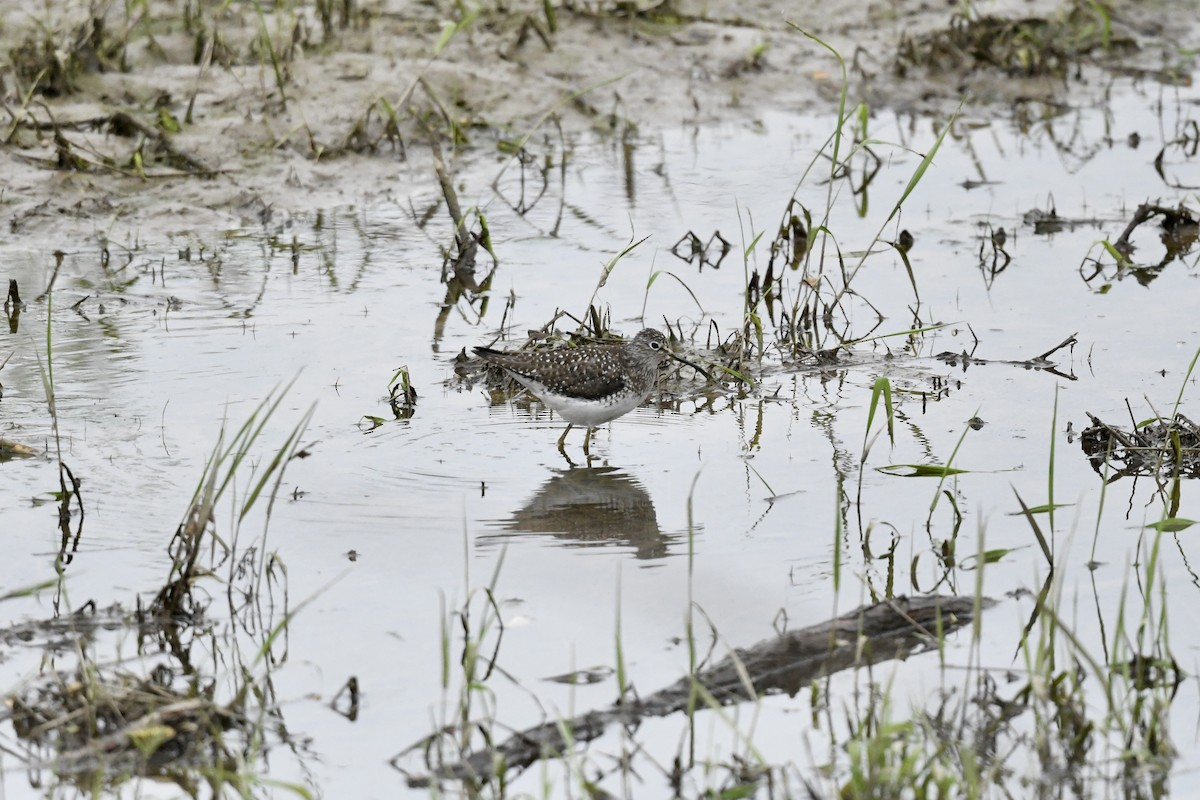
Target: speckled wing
column 598, row 375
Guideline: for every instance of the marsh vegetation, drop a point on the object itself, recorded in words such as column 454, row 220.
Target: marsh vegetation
column 917, row 527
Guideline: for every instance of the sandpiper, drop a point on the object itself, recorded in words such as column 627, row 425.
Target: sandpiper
column 591, row 384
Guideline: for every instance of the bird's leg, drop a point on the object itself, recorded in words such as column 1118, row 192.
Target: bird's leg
column 587, row 438
column 563, row 439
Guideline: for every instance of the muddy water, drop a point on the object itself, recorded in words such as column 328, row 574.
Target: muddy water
column 384, row 529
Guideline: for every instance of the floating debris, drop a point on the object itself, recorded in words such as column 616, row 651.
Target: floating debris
column 1159, row 447
column 114, row 724
column 10, row 449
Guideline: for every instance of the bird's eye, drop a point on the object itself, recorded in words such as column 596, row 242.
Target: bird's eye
column 656, row 345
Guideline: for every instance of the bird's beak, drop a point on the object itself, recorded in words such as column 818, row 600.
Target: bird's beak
column 683, row 360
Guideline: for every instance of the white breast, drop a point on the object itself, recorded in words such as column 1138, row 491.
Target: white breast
column 584, row 412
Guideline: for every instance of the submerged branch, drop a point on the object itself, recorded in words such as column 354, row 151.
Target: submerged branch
column 892, row 629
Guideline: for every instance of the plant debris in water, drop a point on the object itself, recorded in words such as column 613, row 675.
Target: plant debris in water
column 1154, row 448
column 114, row 724
column 1179, row 231
column 102, row 723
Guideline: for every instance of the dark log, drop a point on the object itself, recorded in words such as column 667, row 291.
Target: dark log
column 887, row 630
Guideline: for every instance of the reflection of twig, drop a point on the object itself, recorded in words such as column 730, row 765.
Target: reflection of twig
column 350, row 691
column 460, row 277
column 523, row 204
column 64, row 512
column 12, row 308
column 1039, row 363
column 697, row 252
column 1069, row 341
column 1143, row 213
column 13, row 299
column 999, row 258
column 1173, row 220
column 1189, row 142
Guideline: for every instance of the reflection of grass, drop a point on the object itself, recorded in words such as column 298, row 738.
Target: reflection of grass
column 68, row 484
column 1088, row 720
column 170, row 714
column 197, row 533
column 471, row 635
column 799, row 306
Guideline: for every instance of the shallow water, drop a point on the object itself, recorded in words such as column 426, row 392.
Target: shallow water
column 430, row 506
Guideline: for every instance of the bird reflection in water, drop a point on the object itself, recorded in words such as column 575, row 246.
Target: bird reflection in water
column 591, row 507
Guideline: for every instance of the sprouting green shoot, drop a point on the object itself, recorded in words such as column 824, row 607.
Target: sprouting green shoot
column 882, row 389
